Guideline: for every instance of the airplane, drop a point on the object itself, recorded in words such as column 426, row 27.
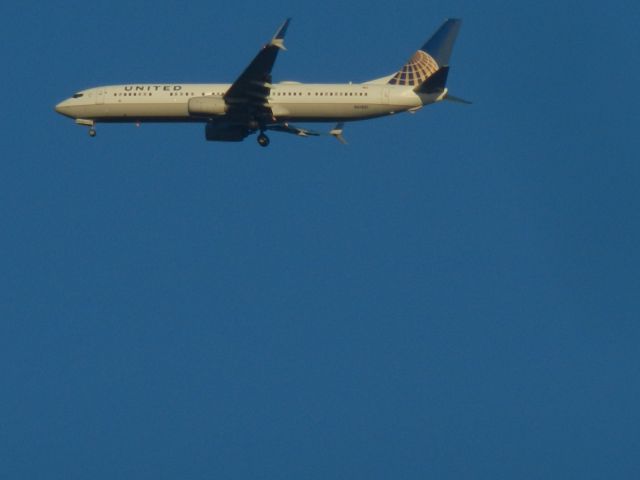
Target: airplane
column 254, row 103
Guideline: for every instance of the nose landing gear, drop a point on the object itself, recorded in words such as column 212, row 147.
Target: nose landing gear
column 87, row 123
column 263, row 140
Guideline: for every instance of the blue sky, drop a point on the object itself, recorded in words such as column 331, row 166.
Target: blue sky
column 452, row 295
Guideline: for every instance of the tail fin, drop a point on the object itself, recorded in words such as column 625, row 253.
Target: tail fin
column 430, row 60
column 435, row 83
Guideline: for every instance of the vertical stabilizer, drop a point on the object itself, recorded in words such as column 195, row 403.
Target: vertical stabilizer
column 440, row 45
column 433, row 55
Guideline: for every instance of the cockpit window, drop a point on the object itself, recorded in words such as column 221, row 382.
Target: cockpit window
column 78, row 95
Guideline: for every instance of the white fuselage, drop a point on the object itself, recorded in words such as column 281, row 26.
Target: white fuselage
column 288, row 101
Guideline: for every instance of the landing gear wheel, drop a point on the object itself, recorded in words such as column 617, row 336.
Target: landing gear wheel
column 92, row 132
column 263, row 140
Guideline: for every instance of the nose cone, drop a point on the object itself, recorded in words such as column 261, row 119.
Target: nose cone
column 63, row 108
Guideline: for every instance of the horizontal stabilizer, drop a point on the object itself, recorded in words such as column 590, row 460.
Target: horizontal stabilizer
column 453, row 99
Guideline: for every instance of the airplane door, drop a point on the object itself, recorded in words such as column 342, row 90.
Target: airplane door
column 99, row 97
column 385, row 95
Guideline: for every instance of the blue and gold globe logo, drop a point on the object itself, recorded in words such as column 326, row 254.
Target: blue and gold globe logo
column 419, row 67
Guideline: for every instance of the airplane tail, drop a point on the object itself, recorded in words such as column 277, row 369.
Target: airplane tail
column 428, row 68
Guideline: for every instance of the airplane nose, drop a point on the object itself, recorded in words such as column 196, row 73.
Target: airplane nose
column 63, row 108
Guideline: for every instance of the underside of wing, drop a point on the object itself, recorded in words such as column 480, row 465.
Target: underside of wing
column 248, row 96
column 288, row 128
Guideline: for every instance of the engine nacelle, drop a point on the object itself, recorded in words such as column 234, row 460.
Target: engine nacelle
column 207, row 106
column 225, row 133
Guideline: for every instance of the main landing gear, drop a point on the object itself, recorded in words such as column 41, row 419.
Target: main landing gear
column 263, row 140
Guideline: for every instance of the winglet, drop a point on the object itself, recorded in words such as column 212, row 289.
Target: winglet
column 337, row 133
column 278, row 38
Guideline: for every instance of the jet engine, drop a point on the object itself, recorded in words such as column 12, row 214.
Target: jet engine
column 207, row 106
column 225, row 132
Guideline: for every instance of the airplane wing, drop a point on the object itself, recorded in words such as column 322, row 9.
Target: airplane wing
column 336, row 132
column 248, row 95
column 287, row 128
